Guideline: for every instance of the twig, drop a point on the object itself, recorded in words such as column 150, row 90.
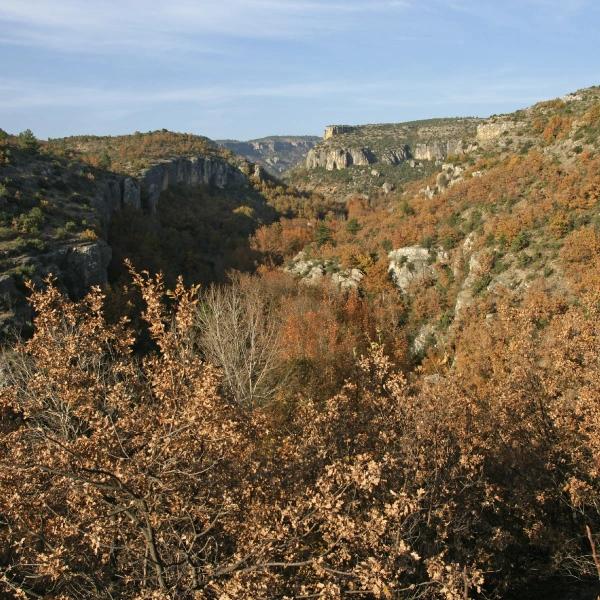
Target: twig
column 593, row 547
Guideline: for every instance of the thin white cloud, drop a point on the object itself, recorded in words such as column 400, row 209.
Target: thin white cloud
column 16, row 94
column 104, row 25
column 475, row 89
column 520, row 14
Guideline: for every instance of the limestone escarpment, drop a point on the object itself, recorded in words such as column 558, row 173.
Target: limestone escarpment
column 186, row 171
column 339, row 158
column 143, row 192
column 490, row 132
column 439, row 150
column 332, row 158
column 435, row 140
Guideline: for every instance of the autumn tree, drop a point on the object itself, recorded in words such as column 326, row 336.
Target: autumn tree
column 239, row 332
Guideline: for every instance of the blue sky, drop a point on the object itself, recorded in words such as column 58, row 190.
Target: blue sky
column 249, row 68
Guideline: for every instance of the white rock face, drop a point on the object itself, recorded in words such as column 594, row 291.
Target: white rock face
column 447, row 178
column 333, row 130
column 347, row 280
column 312, row 272
column 465, row 295
column 395, row 156
column 421, row 342
column 409, row 264
column 489, row 132
column 438, row 150
column 338, row 158
column 333, row 157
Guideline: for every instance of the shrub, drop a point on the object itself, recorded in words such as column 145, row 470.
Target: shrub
column 481, row 284
column 30, row 222
column 28, row 141
column 323, row 235
column 520, row 242
column 153, row 484
column 353, row 226
column 88, row 235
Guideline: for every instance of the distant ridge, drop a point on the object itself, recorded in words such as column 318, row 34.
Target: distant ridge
column 276, row 154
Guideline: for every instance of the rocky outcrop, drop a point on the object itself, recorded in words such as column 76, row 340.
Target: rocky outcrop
column 447, row 178
column 395, row 156
column 339, row 158
column 314, row 272
column 132, row 197
column 186, row 171
column 81, row 267
column 414, row 264
column 333, row 130
column 438, row 150
column 75, row 268
column 490, row 132
column 142, row 192
column 396, row 143
column 78, row 266
column 331, row 157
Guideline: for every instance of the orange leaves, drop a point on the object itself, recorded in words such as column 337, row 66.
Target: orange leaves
column 282, row 239
column 581, row 246
column 558, row 127
column 141, row 479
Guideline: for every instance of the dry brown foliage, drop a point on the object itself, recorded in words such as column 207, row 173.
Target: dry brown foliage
column 134, row 477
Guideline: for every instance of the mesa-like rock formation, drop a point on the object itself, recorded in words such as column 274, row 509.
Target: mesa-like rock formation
column 346, row 146
column 333, row 130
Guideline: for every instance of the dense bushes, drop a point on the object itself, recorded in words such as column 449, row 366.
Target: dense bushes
column 141, row 478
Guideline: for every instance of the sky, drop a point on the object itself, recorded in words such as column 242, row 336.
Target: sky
column 244, row 69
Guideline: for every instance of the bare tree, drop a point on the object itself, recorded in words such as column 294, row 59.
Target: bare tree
column 239, row 332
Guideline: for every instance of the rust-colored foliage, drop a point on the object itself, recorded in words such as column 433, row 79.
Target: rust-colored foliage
column 137, row 478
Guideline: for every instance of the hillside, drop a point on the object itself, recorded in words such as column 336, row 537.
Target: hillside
column 277, row 154
column 365, row 158
column 515, row 209
column 323, row 387
column 77, row 207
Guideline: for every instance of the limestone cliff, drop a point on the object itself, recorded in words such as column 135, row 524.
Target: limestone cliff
column 345, row 146
column 333, row 130
column 339, row 158
column 70, row 238
column 143, row 192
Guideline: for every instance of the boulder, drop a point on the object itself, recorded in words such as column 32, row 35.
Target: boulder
column 85, row 266
column 409, row 264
